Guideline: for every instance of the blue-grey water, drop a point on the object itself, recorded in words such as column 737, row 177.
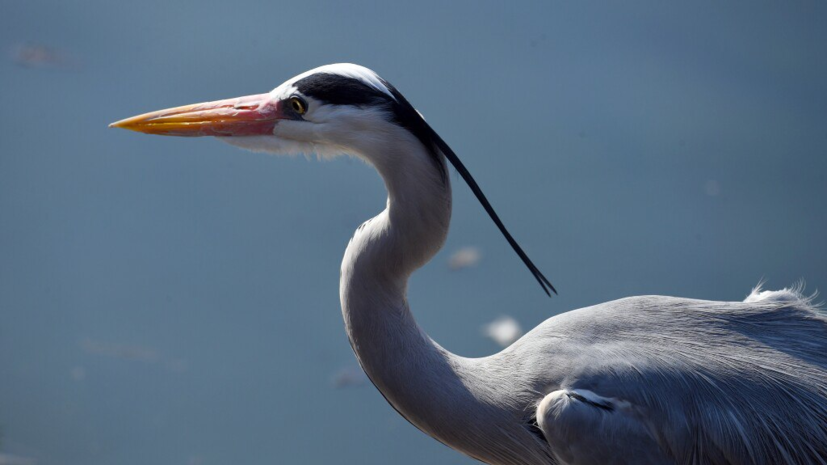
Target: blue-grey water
column 175, row 301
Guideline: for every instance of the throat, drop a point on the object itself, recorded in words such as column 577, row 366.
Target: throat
column 400, row 359
column 388, row 248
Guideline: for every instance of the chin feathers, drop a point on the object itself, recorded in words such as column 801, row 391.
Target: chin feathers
column 278, row 146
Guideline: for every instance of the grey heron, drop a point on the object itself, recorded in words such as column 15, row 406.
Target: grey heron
column 640, row 380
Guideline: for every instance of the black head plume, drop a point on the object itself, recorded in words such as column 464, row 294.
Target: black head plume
column 407, row 116
column 346, row 90
column 475, row 188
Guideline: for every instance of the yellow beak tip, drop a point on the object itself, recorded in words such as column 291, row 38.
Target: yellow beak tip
column 122, row 124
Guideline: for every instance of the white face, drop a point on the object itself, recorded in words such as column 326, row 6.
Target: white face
column 328, row 111
column 323, row 128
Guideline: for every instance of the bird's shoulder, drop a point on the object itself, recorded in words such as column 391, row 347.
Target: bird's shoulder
column 681, row 319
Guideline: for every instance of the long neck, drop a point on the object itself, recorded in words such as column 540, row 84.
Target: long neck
column 419, row 378
column 456, row 400
column 385, row 251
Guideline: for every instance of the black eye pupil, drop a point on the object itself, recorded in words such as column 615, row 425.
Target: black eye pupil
column 298, row 106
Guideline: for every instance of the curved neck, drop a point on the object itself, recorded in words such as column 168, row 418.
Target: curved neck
column 388, row 248
column 417, row 377
column 450, row 398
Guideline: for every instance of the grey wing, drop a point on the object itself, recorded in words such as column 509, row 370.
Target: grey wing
column 712, row 383
column 584, row 428
column 685, row 419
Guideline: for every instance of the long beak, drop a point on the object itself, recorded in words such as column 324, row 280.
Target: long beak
column 243, row 116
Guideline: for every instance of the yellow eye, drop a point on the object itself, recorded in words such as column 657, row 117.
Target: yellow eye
column 298, row 105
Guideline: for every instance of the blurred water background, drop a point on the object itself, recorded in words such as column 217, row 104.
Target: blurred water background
column 175, row 301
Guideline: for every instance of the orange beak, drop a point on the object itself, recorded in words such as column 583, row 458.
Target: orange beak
column 243, row 116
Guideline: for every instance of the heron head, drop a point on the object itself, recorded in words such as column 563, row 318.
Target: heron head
column 330, row 110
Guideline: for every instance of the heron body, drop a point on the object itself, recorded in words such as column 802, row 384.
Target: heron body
column 641, row 380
